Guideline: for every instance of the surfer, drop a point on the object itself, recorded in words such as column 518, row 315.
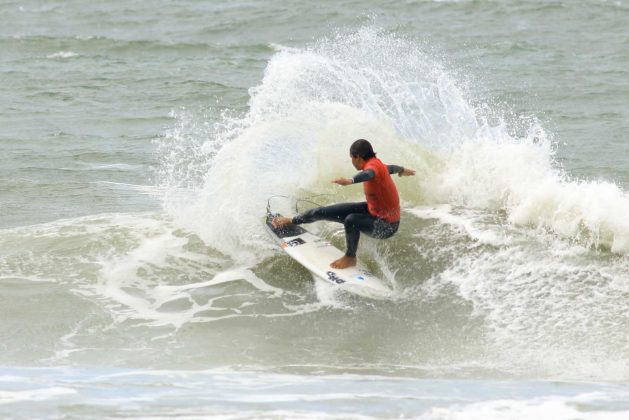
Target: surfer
column 378, row 216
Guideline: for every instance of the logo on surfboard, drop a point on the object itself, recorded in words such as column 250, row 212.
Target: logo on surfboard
column 334, row 278
column 294, row 242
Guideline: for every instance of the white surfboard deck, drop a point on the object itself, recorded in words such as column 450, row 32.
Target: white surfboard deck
column 316, row 254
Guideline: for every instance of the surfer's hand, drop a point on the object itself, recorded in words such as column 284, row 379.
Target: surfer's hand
column 343, row 181
column 407, row 172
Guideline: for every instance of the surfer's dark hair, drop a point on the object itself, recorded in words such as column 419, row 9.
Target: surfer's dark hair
column 361, row 148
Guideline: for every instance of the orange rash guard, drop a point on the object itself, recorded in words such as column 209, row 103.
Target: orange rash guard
column 380, row 191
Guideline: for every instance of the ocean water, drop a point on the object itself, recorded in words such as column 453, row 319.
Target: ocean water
column 140, row 141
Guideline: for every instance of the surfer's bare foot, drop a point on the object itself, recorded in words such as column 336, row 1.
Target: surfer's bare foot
column 280, row 221
column 344, row 262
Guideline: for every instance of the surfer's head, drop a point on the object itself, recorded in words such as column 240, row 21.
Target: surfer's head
column 361, row 151
column 361, row 148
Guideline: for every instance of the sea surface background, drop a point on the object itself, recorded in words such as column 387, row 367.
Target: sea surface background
column 140, row 142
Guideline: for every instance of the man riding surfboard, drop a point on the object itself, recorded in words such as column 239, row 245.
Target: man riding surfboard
column 378, row 216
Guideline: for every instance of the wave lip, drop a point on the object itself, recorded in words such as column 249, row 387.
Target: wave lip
column 520, row 178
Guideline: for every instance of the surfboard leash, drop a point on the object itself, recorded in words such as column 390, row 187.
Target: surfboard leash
column 297, row 201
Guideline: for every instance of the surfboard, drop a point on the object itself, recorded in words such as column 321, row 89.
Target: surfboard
column 316, row 254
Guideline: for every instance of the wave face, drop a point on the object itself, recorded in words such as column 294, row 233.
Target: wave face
column 495, row 233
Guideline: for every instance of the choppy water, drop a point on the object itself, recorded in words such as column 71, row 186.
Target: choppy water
column 140, row 141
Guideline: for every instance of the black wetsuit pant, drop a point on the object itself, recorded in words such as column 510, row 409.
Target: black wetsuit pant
column 355, row 217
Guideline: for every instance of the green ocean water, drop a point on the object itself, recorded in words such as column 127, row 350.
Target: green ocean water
column 139, row 142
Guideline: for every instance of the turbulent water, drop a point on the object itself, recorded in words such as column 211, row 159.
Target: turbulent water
column 140, row 142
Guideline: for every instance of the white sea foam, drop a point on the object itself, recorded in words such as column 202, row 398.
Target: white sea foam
column 465, row 223
column 42, row 394
column 240, row 393
column 150, row 190
column 130, row 283
column 542, row 408
column 519, row 177
column 140, row 269
column 63, row 54
column 549, row 308
column 113, row 167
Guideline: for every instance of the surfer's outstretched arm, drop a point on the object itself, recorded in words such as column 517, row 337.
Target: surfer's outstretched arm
column 368, row 174
column 400, row 170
